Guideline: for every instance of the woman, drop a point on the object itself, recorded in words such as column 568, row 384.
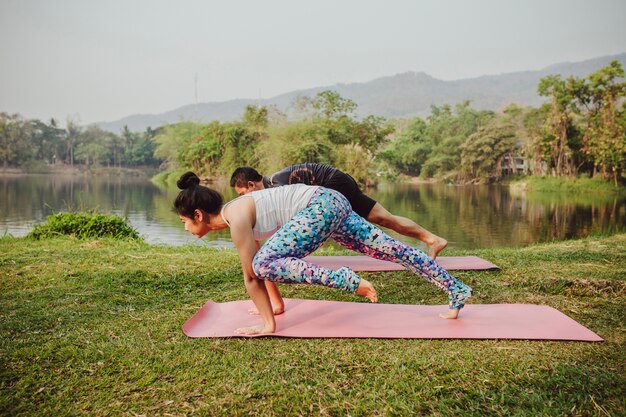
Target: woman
column 296, row 220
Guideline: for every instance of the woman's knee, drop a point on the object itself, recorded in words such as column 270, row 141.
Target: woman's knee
column 260, row 264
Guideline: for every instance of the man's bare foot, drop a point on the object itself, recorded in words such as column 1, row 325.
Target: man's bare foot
column 451, row 314
column 437, row 246
column 367, row 290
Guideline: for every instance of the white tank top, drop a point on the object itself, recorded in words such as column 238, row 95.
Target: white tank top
column 276, row 206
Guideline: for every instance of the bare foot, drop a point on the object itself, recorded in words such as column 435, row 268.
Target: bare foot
column 437, row 246
column 260, row 329
column 367, row 290
column 451, row 314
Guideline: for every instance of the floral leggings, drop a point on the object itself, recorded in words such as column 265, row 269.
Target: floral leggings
column 329, row 215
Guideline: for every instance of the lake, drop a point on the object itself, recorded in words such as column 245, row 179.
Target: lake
column 467, row 216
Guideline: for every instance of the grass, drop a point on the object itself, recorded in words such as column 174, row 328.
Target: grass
column 567, row 185
column 167, row 178
column 94, row 328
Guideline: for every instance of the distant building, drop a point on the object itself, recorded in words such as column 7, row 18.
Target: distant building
column 513, row 165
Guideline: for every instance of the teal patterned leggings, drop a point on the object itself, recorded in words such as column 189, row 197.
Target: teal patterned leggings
column 329, row 215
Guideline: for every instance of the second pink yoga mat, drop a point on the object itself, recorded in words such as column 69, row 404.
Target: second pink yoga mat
column 336, row 319
column 367, row 264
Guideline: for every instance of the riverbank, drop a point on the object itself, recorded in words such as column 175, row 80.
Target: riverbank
column 169, row 178
column 567, row 185
column 80, row 170
column 517, row 184
column 94, row 327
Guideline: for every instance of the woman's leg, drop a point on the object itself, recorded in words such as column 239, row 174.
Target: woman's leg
column 279, row 259
column 355, row 233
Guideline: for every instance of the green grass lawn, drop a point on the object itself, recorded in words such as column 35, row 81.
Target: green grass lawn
column 94, row 328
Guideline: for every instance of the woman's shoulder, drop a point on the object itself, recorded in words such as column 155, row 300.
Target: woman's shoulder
column 240, row 208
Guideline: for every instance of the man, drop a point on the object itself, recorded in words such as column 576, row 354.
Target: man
column 246, row 179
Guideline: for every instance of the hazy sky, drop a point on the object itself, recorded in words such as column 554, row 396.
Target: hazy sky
column 103, row 60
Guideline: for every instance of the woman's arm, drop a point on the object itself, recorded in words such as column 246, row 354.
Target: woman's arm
column 241, row 232
column 278, row 305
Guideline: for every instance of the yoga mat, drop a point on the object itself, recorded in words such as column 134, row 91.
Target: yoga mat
column 336, row 319
column 367, row 264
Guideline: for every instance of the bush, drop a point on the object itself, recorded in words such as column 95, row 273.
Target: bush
column 84, row 226
column 35, row 167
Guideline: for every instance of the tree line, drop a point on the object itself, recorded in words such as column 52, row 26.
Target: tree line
column 34, row 144
column 580, row 130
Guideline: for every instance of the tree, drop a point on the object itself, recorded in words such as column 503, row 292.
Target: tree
column 255, row 117
column 298, row 142
column 331, row 106
column 203, row 152
column 172, row 141
column 483, row 153
column 94, row 146
column 302, row 108
column 237, row 145
column 554, row 140
column 407, row 152
column 371, row 133
column 447, row 129
column 604, row 139
column 356, row 160
column 142, row 149
column 74, row 130
column 15, row 139
column 48, row 140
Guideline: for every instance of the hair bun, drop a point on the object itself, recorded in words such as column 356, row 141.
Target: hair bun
column 187, row 180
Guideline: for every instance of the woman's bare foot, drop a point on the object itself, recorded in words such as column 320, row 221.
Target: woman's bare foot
column 367, row 290
column 451, row 314
column 260, row 329
column 437, row 246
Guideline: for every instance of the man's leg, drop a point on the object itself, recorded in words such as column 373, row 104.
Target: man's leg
column 407, row 227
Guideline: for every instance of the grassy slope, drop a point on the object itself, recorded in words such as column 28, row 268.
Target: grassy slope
column 567, row 185
column 95, row 328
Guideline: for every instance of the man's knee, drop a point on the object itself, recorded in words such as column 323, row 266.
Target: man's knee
column 379, row 215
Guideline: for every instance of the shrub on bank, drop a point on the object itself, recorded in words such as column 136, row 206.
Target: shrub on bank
column 85, row 225
column 562, row 184
column 168, row 177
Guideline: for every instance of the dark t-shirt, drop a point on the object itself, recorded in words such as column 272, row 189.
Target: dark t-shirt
column 309, row 174
column 325, row 176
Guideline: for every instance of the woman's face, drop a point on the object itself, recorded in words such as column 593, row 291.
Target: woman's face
column 196, row 226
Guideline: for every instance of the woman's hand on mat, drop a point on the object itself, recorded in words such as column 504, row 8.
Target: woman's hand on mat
column 260, row 329
column 277, row 310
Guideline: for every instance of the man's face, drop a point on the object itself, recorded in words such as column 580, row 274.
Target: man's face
column 248, row 188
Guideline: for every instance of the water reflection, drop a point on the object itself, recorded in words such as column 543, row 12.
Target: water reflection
column 468, row 216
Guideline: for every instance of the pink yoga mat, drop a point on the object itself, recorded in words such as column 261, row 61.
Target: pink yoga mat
column 336, row 319
column 365, row 263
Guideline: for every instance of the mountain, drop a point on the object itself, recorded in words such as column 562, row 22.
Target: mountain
column 400, row 95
